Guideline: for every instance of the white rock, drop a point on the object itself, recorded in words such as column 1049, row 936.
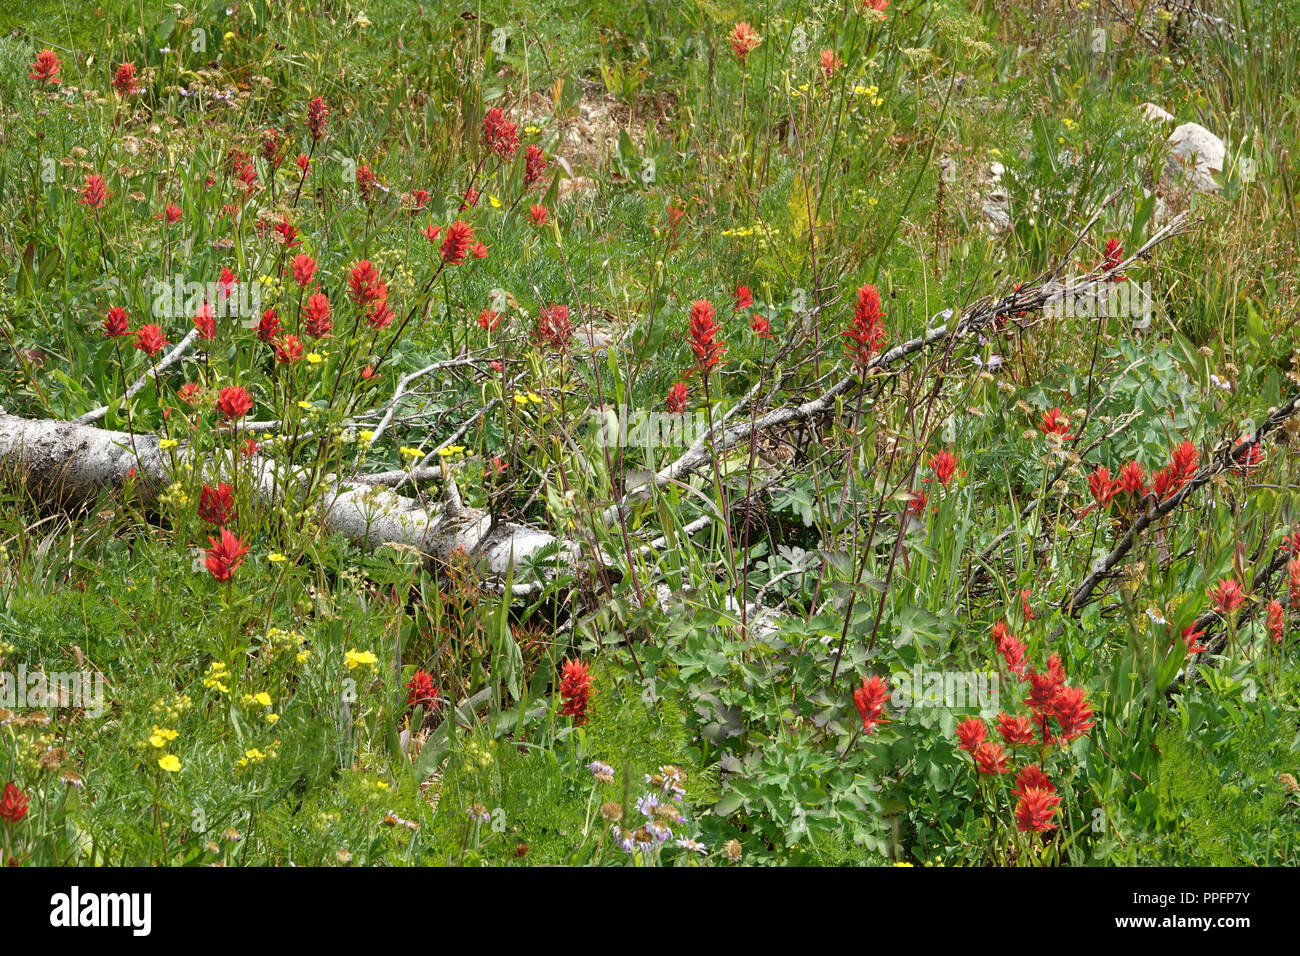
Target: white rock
column 1195, row 154
column 1155, row 114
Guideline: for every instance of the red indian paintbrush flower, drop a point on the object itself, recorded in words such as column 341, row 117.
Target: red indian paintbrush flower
column 879, row 6
column 316, row 314
column 1274, row 621
column 234, row 402
column 916, row 504
column 205, row 320
column 217, row 505
column 1132, row 478
column 704, row 342
column 1111, row 258
column 744, row 40
column 317, row 113
column 677, row 399
column 1073, row 713
column 1102, row 486
column 366, row 181
column 45, row 68
column 870, row 701
column 364, row 283
column 489, row 320
column 479, row 251
column 171, row 214
column 124, row 80
column 538, row 215
column 13, row 804
column 456, row 242
column 500, row 135
column 990, row 758
column 1016, row 731
column 554, row 326
column 422, row 691
column 225, row 556
column 971, row 733
column 1013, row 652
column 95, row 193
column 866, row 333
column 1032, row 776
column 944, row 466
column 830, row 63
column 760, row 326
column 116, row 323
column 288, row 349
column 534, row 165
column 268, row 327
column 379, row 315
column 304, row 269
column 744, row 298
column 150, row 340
column 1035, row 811
column 1293, row 580
column 575, row 688
column 1056, row 422
column 1227, row 596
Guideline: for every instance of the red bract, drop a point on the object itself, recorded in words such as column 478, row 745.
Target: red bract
column 316, row 314
column 1032, row 776
column 217, row 505
column 1101, row 485
column 538, row 215
column 1111, row 258
column 677, row 399
column 422, row 691
column 364, row 283
column 1190, row 638
column 830, row 63
column 990, row 758
column 870, row 701
column 269, row 325
column 205, row 321
column 1247, row 456
column 1056, row 422
column 116, row 323
column 554, row 327
column 225, row 556
column 288, row 349
column 1183, row 462
column 479, row 251
column 1132, row 478
column 191, row 393
column 704, row 342
column 150, row 340
column 1227, row 596
column 534, row 165
column 317, row 113
column 1016, row 731
column 1043, row 688
column 45, row 68
column 419, row 199
column 226, row 284
column 760, row 326
column 304, row 269
column 13, row 804
column 234, row 402
column 171, row 214
column 1293, row 580
column 744, row 298
column 366, row 181
column 1036, row 809
column 575, row 688
column 455, row 244
column 944, row 466
column 124, row 80
column 879, row 6
column 272, row 146
column 1274, row 621
column 489, row 320
column 744, row 40
column 1013, row 652
column 971, row 733
column 470, row 199
column 95, row 193
column 916, row 506
column 866, row 333
column 1073, row 713
column 500, row 135
column 379, row 315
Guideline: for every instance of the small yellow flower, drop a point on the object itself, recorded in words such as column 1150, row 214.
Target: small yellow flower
column 315, row 358
column 872, row 201
column 305, row 406
column 355, row 659
column 275, row 557
column 303, row 655
column 167, row 443
column 451, row 450
column 171, row 763
column 409, row 452
column 262, row 698
column 272, row 718
column 366, row 434
column 494, row 202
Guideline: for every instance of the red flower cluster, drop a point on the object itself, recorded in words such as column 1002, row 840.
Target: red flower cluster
column 205, row 320
column 538, row 215
column 150, row 340
column 1056, row 422
column 500, row 135
column 704, row 341
column 944, row 466
column 225, row 556
column 534, row 165
column 575, row 689
column 554, row 326
column 760, row 326
column 422, row 691
column 13, row 804
column 1274, row 621
column 317, row 315
column 116, row 323
column 744, row 40
column 866, row 334
column 676, row 402
column 304, row 269
column 217, row 505
column 1227, row 596
column 288, row 349
column 870, row 701
column 95, row 193
column 268, row 327
column 317, row 114
column 45, row 68
column 234, row 402
column 124, row 80
column 456, row 243
column 744, row 298
column 1111, row 258
column 1183, row 462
